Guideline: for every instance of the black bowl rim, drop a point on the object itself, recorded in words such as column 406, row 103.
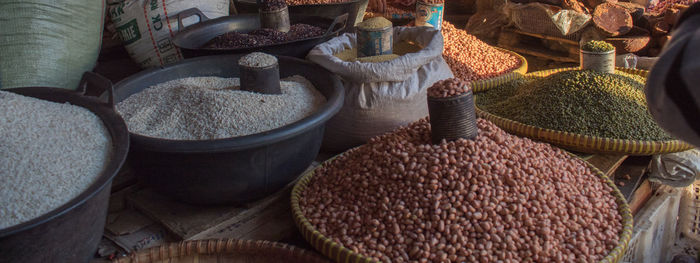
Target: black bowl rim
column 120, row 147
column 323, row 114
column 179, row 38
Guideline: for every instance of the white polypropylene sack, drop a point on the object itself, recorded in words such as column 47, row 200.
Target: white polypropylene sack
column 146, row 27
column 48, row 43
column 380, row 97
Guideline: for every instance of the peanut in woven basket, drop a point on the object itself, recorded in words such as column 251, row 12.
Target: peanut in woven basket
column 223, row 250
column 573, row 141
column 341, row 254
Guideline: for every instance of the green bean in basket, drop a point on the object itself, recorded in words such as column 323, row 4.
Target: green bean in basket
column 577, row 101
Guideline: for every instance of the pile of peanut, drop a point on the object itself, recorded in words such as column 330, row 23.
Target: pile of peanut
column 448, row 87
column 497, row 198
column 471, row 59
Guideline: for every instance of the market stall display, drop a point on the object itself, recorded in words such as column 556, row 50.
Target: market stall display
column 402, row 198
column 243, row 34
column 60, row 152
column 579, row 110
column 215, row 169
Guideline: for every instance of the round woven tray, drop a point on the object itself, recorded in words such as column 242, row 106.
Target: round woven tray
column 515, row 73
column 223, row 250
column 574, row 141
column 339, row 253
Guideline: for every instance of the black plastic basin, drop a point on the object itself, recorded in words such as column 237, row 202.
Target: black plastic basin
column 233, row 170
column 71, row 232
column 193, row 39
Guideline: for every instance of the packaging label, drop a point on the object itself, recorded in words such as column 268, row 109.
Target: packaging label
column 129, row 32
column 374, row 43
column 429, row 15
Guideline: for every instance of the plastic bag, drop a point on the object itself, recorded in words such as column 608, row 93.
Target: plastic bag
column 380, row 97
column 546, row 19
column 486, row 24
column 676, row 169
column 146, row 26
column 48, row 43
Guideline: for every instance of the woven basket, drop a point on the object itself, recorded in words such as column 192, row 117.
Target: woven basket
column 515, row 73
column 485, row 84
column 339, row 253
column 223, row 250
column 574, row 141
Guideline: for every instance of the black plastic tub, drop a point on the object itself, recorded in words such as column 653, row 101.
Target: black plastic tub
column 232, row 170
column 71, row 232
column 193, row 39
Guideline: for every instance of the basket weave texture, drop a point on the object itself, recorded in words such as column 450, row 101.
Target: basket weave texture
column 223, row 250
column 573, row 141
column 339, row 253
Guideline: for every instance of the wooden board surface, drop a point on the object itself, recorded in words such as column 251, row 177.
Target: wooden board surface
column 607, row 163
column 188, row 221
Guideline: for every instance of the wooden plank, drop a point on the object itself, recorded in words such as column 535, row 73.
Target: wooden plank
column 126, row 222
column 563, row 40
column 272, row 223
column 186, row 220
column 640, row 196
column 540, row 52
column 191, row 221
column 607, row 163
column 630, row 175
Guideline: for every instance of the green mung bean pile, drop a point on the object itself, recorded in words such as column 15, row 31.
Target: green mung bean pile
column 597, row 46
column 577, row 101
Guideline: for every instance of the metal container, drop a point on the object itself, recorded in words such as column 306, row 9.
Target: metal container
column 264, row 80
column 429, row 14
column 192, row 40
column 275, row 19
column 452, row 118
column 374, row 42
column 71, row 232
column 598, row 61
column 232, row 170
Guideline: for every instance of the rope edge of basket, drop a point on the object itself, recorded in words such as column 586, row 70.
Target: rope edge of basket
column 485, row 84
column 585, row 143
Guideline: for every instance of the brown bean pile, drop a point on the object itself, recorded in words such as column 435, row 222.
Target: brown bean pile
column 471, row 59
column 432, row 2
column 498, row 197
column 448, row 87
column 272, row 5
column 264, row 36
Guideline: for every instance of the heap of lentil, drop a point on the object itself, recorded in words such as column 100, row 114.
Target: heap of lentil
column 577, row 101
column 498, row 197
column 264, row 36
column 471, row 59
column 597, row 46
